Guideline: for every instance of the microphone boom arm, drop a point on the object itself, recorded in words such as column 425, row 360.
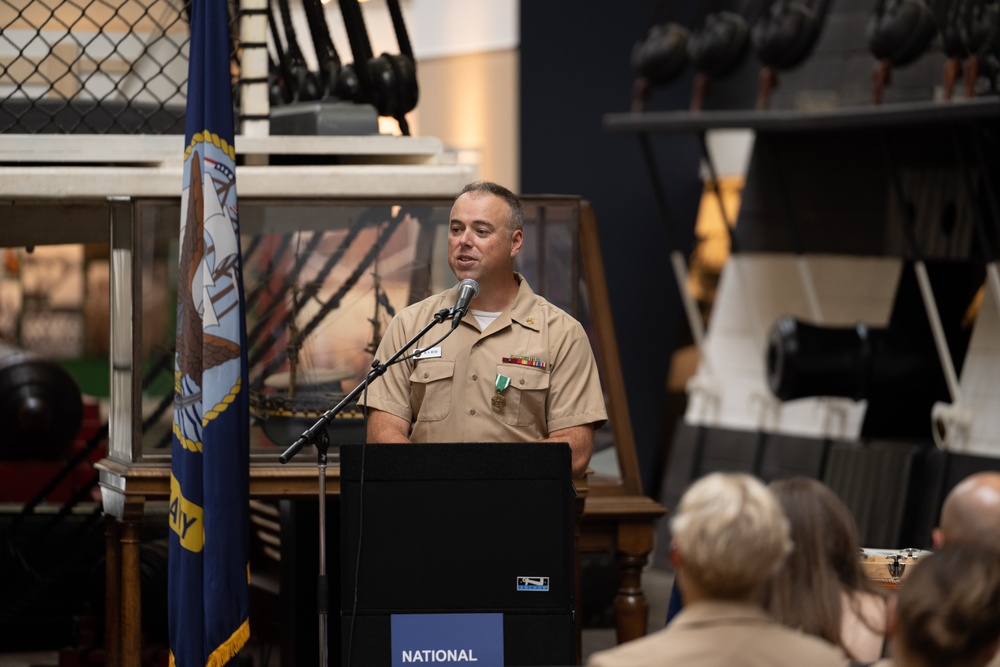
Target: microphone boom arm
column 378, row 369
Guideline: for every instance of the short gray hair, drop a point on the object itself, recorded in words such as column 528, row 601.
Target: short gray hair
column 731, row 533
column 515, row 219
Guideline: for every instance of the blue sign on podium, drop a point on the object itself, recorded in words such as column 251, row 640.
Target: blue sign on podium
column 447, row 639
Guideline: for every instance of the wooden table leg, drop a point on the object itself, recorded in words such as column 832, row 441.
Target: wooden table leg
column 631, row 607
column 112, row 591
column 131, row 614
column 635, row 542
column 624, row 524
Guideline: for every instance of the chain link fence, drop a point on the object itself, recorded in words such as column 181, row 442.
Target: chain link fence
column 95, row 66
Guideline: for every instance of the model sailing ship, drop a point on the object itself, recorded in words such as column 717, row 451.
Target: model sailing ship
column 292, row 400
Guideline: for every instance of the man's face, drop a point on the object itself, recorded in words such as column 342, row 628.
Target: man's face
column 480, row 245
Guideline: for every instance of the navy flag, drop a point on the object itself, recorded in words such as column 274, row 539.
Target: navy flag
column 210, row 458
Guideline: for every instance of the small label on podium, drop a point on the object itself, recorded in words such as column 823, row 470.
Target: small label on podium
column 532, row 583
column 447, row 639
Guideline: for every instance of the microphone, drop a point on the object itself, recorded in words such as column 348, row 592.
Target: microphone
column 468, row 290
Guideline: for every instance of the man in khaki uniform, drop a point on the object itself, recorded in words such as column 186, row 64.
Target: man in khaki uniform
column 516, row 368
column 729, row 536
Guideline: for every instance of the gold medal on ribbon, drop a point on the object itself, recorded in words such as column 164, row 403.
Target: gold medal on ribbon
column 500, row 401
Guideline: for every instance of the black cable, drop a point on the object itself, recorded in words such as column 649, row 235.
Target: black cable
column 299, row 80
column 399, row 26
column 326, row 52
column 970, row 191
column 361, row 48
column 652, row 167
column 713, row 177
column 786, row 203
column 284, row 68
column 361, row 524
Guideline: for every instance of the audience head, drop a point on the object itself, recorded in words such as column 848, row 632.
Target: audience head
column 823, row 564
column 729, row 536
column 948, row 609
column 823, row 529
column 971, row 512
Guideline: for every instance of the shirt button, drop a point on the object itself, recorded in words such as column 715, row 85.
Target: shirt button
column 426, row 375
column 475, row 377
column 472, row 411
column 521, row 380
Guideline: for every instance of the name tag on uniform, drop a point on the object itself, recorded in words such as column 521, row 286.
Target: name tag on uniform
column 429, row 353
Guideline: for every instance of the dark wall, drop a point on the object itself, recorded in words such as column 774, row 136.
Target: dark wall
column 574, row 69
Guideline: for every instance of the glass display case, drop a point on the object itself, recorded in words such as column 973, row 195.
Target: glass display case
column 322, row 279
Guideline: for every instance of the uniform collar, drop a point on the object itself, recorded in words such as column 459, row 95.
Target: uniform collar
column 524, row 310
column 710, row 612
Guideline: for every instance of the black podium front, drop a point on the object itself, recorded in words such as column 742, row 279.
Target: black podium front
column 458, row 528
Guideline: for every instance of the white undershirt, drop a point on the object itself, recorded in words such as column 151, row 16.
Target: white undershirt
column 484, row 318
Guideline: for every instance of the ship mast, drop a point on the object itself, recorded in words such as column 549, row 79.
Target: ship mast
column 294, row 342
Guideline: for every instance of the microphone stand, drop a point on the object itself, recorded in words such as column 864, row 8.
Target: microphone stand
column 318, row 436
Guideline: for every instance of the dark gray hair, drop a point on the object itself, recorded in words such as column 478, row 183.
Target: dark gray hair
column 516, row 218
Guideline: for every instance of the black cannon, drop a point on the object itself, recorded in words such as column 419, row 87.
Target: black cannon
column 40, row 406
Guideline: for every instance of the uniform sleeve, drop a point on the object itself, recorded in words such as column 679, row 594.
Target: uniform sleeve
column 575, row 394
column 391, row 392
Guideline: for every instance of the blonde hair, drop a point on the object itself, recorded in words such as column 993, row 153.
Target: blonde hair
column 731, row 533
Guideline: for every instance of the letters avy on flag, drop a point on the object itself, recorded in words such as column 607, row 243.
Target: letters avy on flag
column 209, row 483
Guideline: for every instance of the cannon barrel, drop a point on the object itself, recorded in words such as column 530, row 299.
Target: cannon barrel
column 859, row 362
column 41, row 408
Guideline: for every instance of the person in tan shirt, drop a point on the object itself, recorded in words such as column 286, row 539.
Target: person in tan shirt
column 729, row 536
column 516, row 368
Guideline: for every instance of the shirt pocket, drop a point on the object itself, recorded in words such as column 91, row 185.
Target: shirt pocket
column 430, row 389
column 526, row 395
